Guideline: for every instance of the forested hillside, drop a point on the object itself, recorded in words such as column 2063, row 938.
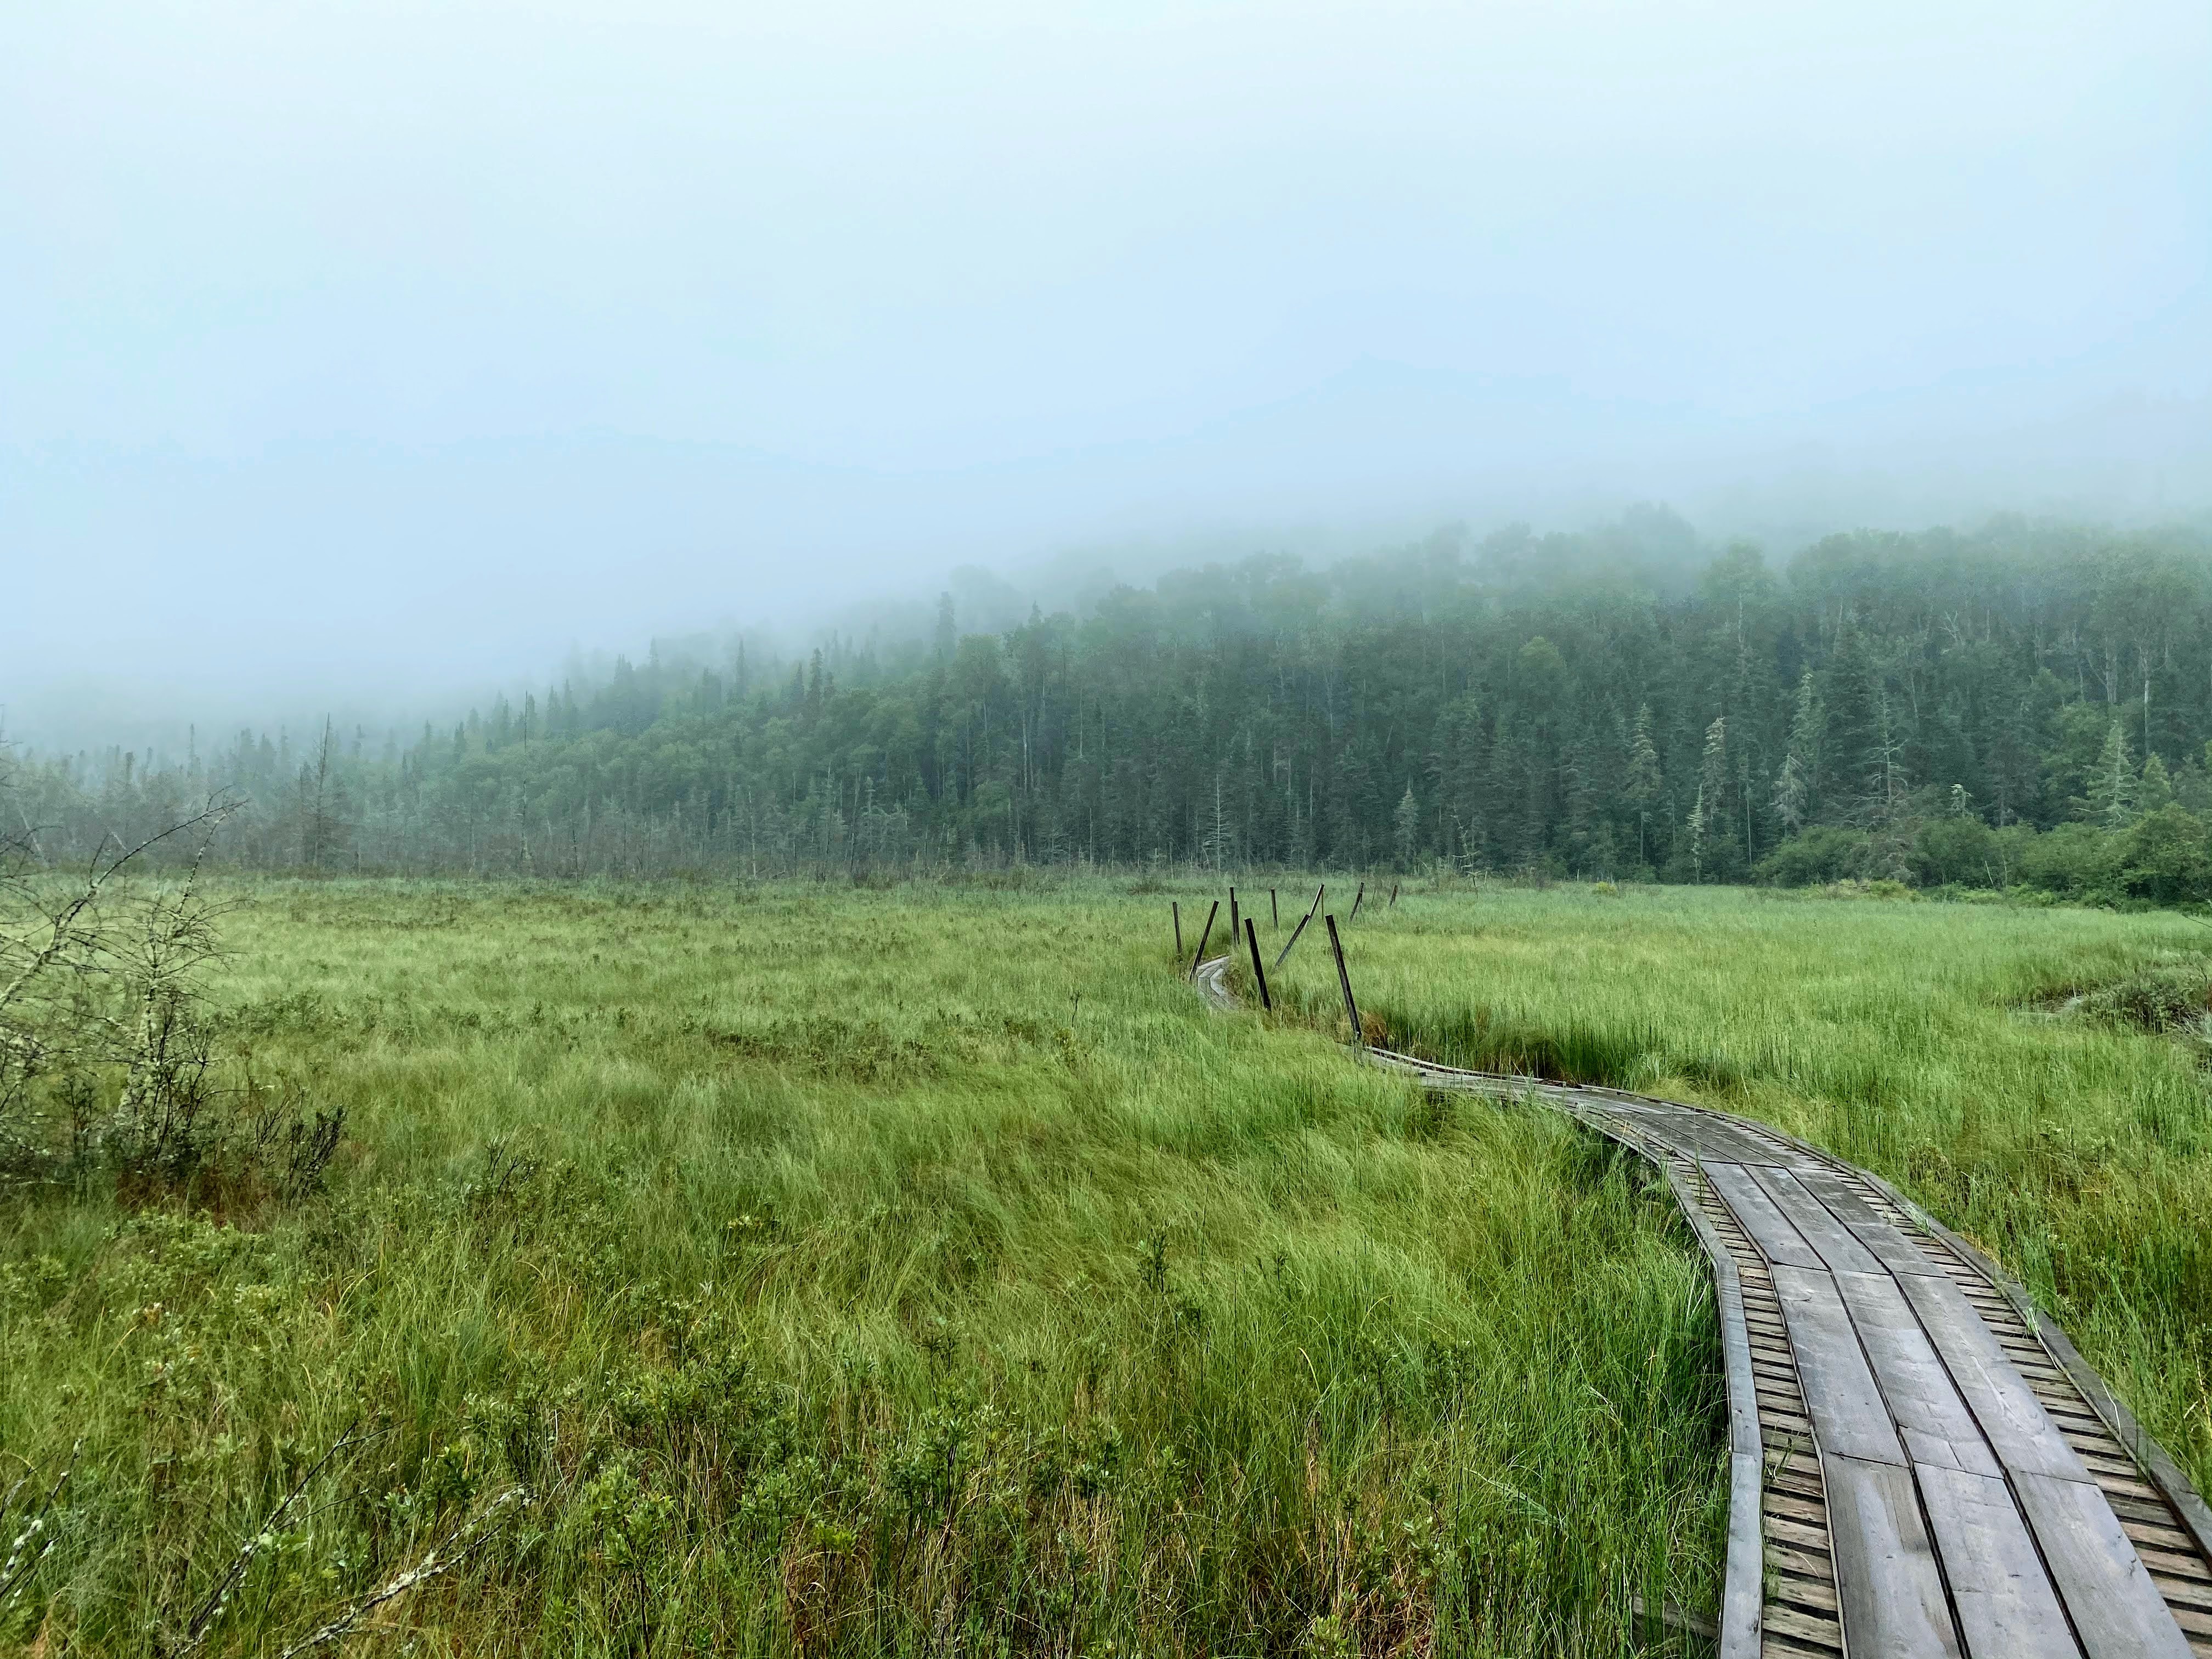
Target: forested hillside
column 2026, row 704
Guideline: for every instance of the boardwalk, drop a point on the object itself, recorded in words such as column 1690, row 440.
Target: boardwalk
column 1919, row 1465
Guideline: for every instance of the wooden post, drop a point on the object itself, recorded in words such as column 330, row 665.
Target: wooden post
column 1283, row 955
column 1274, row 915
column 1233, row 929
column 1356, row 897
column 1259, row 974
column 1394, row 898
column 1176, row 909
column 1199, row 954
column 1344, row 979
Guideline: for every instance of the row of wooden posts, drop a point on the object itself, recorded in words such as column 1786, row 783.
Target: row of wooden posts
column 1252, row 942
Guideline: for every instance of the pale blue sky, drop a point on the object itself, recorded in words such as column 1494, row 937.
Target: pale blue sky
column 395, row 344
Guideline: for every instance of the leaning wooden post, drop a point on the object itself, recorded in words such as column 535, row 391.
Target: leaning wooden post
column 1283, row 954
column 1394, row 898
column 1259, row 974
column 1344, row 979
column 1176, row 909
column 1233, row 929
column 1199, row 954
column 1356, row 897
column 1274, row 915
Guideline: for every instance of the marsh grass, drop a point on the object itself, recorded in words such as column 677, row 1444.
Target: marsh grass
column 798, row 1270
column 2036, row 1077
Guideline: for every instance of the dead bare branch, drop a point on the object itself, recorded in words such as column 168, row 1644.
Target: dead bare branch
column 450, row 1551
column 204, row 1616
column 23, row 1551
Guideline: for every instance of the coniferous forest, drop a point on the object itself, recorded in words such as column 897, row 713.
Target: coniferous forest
column 2026, row 705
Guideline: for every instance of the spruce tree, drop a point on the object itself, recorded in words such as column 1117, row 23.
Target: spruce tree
column 1792, row 795
column 2156, row 789
column 1852, row 734
column 1807, row 726
column 1407, row 819
column 2113, row 794
column 1643, row 782
column 1715, row 843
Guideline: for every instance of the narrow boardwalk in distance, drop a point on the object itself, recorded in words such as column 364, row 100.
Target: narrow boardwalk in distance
column 1920, row 1464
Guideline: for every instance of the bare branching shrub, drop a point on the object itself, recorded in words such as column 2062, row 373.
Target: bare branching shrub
column 65, row 945
column 162, row 1119
column 280, row 1140
column 107, row 1055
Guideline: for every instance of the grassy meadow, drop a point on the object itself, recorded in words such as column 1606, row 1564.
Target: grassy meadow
column 815, row 1271
column 801, row 1270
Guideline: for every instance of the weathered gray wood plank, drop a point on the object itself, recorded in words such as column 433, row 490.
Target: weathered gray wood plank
column 1839, row 1250
column 2117, row 1608
column 1736, row 1144
column 1832, row 1190
column 2006, row 1607
column 1694, row 1133
column 2012, row 1419
column 1892, row 1598
column 2165, row 1474
column 1761, row 1218
column 1850, row 1417
column 1895, row 1250
column 1931, row 1416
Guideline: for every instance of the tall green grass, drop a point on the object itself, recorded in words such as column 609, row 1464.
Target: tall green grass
column 792, row 1270
column 1930, row 1042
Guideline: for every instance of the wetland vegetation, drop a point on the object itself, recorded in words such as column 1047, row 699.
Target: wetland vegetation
column 796, row 1268
column 788, row 1269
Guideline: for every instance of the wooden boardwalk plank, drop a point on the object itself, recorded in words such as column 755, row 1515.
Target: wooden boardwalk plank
column 1817, row 1594
column 1931, row 1416
column 2018, row 1429
column 1839, row 1252
column 1897, row 1251
column 1893, row 1602
column 1762, row 1218
column 1850, row 1205
column 1801, row 1626
column 2006, row 1607
column 2116, row 1606
column 1728, row 1145
column 1850, row 1416
column 1705, row 1135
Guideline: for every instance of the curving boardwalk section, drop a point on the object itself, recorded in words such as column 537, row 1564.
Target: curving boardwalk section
column 1920, row 1465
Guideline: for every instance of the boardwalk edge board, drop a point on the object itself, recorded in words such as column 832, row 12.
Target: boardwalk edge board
column 1742, row 1593
column 2011, row 1498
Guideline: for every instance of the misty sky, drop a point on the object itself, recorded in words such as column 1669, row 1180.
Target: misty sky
column 378, row 350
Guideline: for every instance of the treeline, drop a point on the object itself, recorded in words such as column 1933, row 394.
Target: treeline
column 2028, row 704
